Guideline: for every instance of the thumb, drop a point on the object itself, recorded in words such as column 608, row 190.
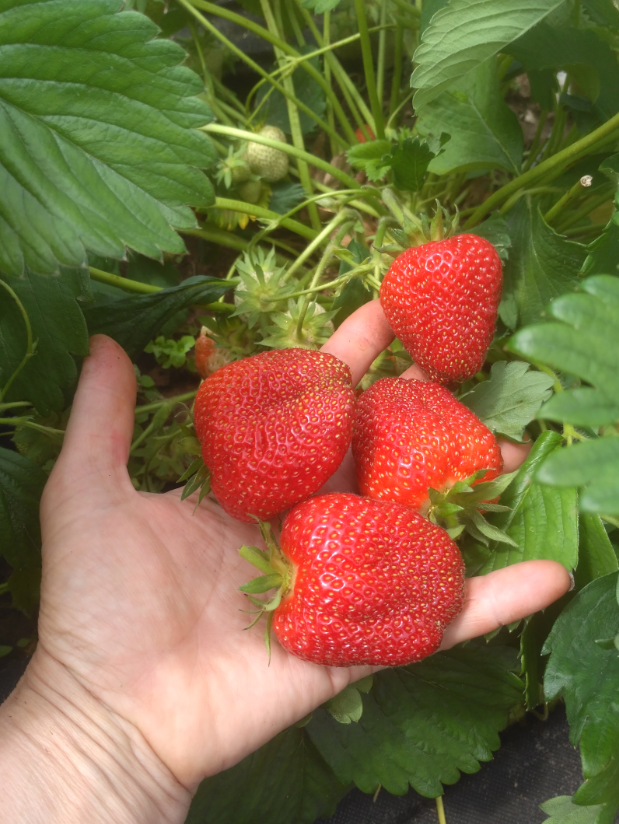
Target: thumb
column 96, row 445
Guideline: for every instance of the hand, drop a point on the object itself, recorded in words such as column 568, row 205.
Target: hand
column 140, row 603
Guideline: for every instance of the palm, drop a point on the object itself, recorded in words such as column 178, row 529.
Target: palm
column 140, row 596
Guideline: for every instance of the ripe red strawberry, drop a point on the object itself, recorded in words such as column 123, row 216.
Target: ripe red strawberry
column 273, row 428
column 441, row 300
column 372, row 582
column 410, row 436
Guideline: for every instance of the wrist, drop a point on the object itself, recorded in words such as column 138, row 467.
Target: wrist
column 69, row 759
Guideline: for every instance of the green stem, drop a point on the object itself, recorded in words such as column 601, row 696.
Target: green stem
column 571, row 193
column 553, row 164
column 30, row 344
column 533, row 151
column 589, row 206
column 315, row 244
column 396, row 80
column 326, row 28
column 332, row 284
column 354, row 100
column 176, row 399
column 382, row 55
column 265, row 34
column 338, row 174
column 293, row 115
column 251, row 63
column 213, row 234
column 47, row 430
column 585, row 229
column 368, row 68
column 406, row 7
column 265, row 214
column 538, row 190
column 440, row 809
column 14, row 405
column 122, row 283
column 611, row 521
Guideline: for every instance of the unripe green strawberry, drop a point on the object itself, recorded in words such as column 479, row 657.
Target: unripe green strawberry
column 271, row 164
column 250, row 191
column 371, row 582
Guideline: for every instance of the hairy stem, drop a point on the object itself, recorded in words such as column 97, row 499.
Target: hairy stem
column 265, row 214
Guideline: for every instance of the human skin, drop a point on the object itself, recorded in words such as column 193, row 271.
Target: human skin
column 144, row 680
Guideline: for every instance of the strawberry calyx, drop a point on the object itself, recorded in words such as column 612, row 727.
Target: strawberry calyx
column 277, row 574
column 415, row 231
column 460, row 507
column 197, row 474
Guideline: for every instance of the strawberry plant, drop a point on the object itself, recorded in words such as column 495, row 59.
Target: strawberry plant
column 459, row 160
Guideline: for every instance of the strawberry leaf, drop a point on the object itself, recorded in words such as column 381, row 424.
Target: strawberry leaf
column 49, row 378
column 135, row 320
column 509, row 399
column 589, row 689
column 373, row 157
column 465, row 34
column 485, row 133
column 542, row 265
column 562, row 810
column 100, row 138
column 406, row 736
column 21, row 486
column 284, row 782
column 346, row 706
column 542, row 520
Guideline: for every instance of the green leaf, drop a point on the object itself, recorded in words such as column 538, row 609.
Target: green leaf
column 485, row 133
column 284, row 782
column 285, row 195
column 262, row 584
column 355, row 294
column 603, row 252
column 320, row 6
column 596, row 554
column 275, row 109
column 346, row 706
column 602, row 12
column 510, row 398
column 496, row 230
column 562, row 810
column 374, row 157
column 135, row 320
column 21, row 486
column 542, row 264
column 589, row 59
column 466, row 33
column 100, row 142
column 542, row 521
column 428, row 10
column 423, row 724
column 409, row 163
column 49, row 378
column 586, row 676
column 592, row 465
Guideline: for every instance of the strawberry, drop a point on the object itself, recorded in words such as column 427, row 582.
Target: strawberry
column 410, row 436
column 273, row 428
column 208, row 357
column 360, row 134
column 362, row 582
column 441, row 300
column 271, row 164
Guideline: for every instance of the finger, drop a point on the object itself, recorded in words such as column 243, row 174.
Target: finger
column 100, row 428
column 361, row 339
column 514, row 454
column 415, row 373
column 506, row 595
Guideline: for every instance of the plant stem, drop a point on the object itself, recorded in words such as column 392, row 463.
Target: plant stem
column 293, row 115
column 355, row 101
column 609, row 520
column 214, row 234
column 47, row 430
column 30, row 344
column 14, row 405
column 316, row 243
column 571, row 193
column 553, row 164
column 265, row 214
column 440, row 809
column 533, row 151
column 122, row 283
column 585, row 229
column 326, row 28
column 538, row 190
column 589, row 206
column 382, row 55
column 397, row 72
column 368, row 68
column 338, row 174
column 265, row 34
column 251, row 63
column 176, row 399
